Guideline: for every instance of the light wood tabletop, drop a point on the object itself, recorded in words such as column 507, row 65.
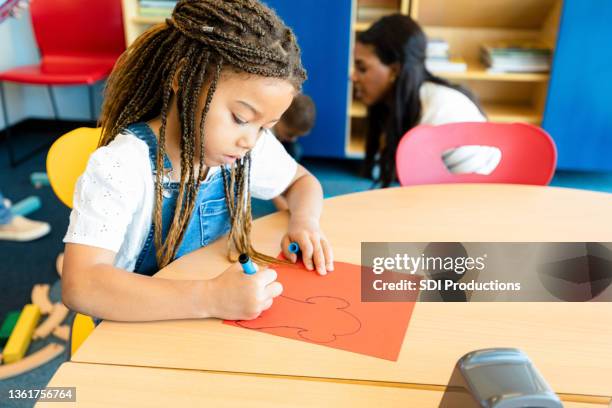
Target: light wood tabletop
column 117, row 386
column 570, row 343
column 98, row 385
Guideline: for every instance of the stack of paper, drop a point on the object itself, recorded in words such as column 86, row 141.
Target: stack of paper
column 439, row 58
column 516, row 57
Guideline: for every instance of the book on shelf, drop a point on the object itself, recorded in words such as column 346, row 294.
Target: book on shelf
column 439, row 58
column 516, row 57
column 437, row 48
column 509, row 47
column 449, row 64
column 516, row 66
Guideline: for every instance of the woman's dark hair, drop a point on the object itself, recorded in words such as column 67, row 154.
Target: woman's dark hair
column 397, row 39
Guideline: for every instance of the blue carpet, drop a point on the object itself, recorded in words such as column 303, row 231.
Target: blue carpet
column 584, row 181
column 26, row 264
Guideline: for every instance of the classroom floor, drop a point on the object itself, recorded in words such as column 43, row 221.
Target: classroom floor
column 26, row 264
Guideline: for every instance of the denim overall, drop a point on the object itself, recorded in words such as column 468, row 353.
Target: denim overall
column 210, row 218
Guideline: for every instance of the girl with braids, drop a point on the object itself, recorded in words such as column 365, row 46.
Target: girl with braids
column 185, row 142
column 390, row 77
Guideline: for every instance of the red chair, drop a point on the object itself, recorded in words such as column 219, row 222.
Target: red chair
column 528, row 153
column 79, row 43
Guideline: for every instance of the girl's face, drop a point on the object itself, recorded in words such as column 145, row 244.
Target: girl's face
column 372, row 78
column 242, row 107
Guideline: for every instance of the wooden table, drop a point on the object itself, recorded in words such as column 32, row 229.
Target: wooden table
column 123, row 386
column 571, row 344
column 100, row 385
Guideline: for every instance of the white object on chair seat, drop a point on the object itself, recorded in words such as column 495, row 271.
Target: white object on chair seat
column 472, row 159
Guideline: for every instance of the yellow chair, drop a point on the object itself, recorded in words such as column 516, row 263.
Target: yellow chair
column 66, row 161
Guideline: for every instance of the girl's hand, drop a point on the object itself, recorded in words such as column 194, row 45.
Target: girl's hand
column 234, row 295
column 316, row 251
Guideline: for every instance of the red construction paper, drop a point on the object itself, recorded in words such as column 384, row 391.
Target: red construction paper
column 327, row 310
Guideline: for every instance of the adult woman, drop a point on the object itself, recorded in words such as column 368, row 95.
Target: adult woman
column 390, row 77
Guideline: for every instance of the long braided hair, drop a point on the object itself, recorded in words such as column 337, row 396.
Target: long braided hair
column 203, row 38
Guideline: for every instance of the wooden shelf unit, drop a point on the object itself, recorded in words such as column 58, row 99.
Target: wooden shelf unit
column 466, row 25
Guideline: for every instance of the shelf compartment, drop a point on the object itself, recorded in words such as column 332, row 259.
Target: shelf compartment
column 516, row 14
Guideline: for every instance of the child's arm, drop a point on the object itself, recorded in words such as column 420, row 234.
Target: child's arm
column 305, row 200
column 93, row 286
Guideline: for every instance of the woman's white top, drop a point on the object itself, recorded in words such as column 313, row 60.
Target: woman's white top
column 441, row 104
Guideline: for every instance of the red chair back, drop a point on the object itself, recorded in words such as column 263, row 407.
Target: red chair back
column 73, row 29
column 529, row 155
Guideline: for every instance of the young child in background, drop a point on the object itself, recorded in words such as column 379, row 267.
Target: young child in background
column 185, row 143
column 296, row 122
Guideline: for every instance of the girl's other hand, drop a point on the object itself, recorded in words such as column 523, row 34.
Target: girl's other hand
column 315, row 249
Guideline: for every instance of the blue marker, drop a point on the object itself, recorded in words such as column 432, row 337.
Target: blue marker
column 247, row 265
column 294, row 248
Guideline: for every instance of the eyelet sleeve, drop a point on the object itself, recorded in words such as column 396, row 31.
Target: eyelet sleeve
column 106, row 197
column 273, row 169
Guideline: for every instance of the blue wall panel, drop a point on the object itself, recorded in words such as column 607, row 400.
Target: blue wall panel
column 323, row 31
column 579, row 108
